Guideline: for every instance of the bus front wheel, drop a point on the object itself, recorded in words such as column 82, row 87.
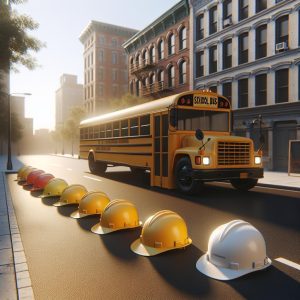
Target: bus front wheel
column 184, row 177
column 96, row 167
column 243, row 184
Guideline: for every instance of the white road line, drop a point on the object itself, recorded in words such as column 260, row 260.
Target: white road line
column 69, row 169
column 88, row 177
column 288, row 262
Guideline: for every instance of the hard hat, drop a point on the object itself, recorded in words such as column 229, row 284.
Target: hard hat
column 92, row 203
column 117, row 215
column 32, row 176
column 20, row 172
column 24, row 173
column 54, row 188
column 71, row 195
column 234, row 249
column 163, row 231
column 41, row 181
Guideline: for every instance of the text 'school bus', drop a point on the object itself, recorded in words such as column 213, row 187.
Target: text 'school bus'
column 184, row 140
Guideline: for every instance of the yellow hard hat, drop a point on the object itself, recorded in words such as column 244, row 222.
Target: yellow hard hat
column 54, row 188
column 71, row 195
column 117, row 215
column 92, row 203
column 24, row 173
column 20, row 172
column 163, row 231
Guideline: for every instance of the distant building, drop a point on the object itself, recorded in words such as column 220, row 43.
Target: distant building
column 159, row 62
column 249, row 51
column 105, row 64
column 68, row 95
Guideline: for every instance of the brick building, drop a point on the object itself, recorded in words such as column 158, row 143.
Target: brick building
column 158, row 55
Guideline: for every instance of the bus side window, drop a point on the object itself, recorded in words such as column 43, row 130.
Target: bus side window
column 124, row 128
column 145, row 125
column 173, row 117
column 108, row 130
column 102, row 131
column 116, row 132
column 134, row 128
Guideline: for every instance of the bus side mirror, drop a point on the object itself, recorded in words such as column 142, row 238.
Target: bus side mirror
column 199, row 134
column 173, row 117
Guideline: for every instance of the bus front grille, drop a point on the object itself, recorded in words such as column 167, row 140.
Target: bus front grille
column 233, row 153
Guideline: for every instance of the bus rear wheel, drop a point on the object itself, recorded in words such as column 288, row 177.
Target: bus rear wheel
column 96, row 167
column 184, row 177
column 243, row 184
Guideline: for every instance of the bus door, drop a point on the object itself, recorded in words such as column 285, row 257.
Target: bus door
column 159, row 174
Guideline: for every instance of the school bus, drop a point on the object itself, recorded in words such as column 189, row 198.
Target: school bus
column 184, row 140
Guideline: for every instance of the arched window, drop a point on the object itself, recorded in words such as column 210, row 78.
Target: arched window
column 182, row 72
column 160, row 79
column 131, row 63
column 131, row 87
column 137, row 60
column 171, row 44
column 152, row 55
column 171, row 77
column 182, row 38
column 137, row 87
column 161, row 46
column 144, row 57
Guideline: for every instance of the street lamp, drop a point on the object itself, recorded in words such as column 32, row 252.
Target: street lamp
column 9, row 165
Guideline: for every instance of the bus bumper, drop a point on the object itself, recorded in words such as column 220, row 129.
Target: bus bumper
column 227, row 174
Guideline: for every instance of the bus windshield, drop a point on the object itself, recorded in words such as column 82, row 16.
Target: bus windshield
column 206, row 120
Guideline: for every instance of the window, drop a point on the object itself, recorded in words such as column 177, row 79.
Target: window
column 213, row 20
column 101, row 91
column 243, row 9
column 213, row 60
column 261, row 89
column 152, row 55
column 114, row 74
column 116, row 126
column 227, row 54
column 171, row 44
column 131, row 87
column 101, row 40
column 243, row 93
column 171, row 76
column 101, row 56
column 145, row 125
column 261, row 41
column 114, row 58
column 261, row 5
column 282, row 30
column 182, row 38
column 161, row 49
column 282, row 86
column 109, row 130
column 134, row 126
column 227, row 90
column 227, row 9
column 124, row 128
column 160, row 79
column 200, row 27
column 214, row 88
column 137, row 87
column 114, row 43
column 144, row 57
column 101, row 74
column 199, row 64
column 243, row 48
column 102, row 131
column 137, row 60
column 182, row 72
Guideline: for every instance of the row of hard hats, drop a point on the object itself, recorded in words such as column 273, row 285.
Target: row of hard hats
column 234, row 249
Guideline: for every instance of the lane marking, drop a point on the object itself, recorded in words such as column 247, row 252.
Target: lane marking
column 69, row 169
column 288, row 262
column 96, row 179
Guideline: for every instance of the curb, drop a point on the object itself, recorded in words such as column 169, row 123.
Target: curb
column 23, row 281
column 280, row 187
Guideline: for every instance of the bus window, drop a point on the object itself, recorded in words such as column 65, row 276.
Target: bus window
column 96, row 132
column 90, row 132
column 108, row 130
column 145, row 125
column 116, row 129
column 102, row 131
column 124, row 128
column 134, row 128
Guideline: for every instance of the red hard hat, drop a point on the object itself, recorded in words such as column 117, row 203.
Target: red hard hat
column 41, row 181
column 32, row 176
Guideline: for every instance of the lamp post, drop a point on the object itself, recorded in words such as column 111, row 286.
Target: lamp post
column 9, row 165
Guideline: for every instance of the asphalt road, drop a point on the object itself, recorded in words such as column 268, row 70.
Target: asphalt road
column 67, row 261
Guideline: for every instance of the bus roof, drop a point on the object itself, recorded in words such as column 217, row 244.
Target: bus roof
column 149, row 107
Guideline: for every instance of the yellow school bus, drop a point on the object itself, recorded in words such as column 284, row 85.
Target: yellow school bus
column 184, row 140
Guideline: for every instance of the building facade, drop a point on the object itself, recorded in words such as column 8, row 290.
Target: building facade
column 158, row 55
column 68, row 95
column 249, row 51
column 105, row 65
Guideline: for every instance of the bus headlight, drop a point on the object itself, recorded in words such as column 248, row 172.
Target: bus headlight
column 257, row 160
column 206, row 160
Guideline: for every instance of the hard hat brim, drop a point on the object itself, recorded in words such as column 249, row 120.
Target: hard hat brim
column 98, row 229
column 34, row 189
column 219, row 273
column 77, row 215
column 59, row 203
column 141, row 249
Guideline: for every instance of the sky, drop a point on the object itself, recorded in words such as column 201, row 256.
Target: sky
column 60, row 25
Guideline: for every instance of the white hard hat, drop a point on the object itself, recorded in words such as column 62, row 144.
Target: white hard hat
column 234, row 249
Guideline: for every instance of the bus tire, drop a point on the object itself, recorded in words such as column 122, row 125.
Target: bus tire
column 183, row 177
column 137, row 171
column 96, row 167
column 244, row 184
